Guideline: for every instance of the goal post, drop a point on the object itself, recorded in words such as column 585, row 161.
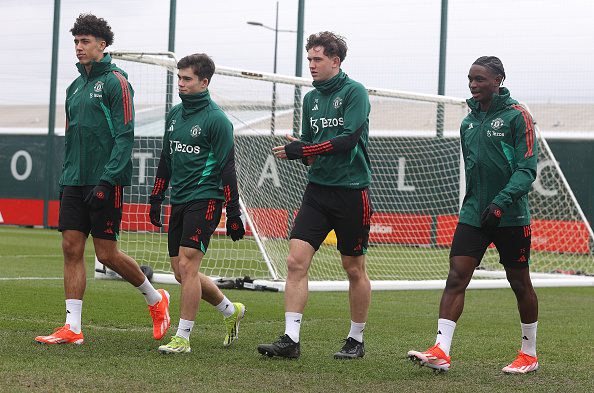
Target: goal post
column 417, row 186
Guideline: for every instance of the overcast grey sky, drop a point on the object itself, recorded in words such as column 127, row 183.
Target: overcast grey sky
column 545, row 45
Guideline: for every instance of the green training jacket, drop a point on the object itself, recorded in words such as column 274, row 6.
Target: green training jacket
column 197, row 145
column 99, row 127
column 500, row 155
column 336, row 123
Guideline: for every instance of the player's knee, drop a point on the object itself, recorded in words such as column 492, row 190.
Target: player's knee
column 355, row 272
column 521, row 288
column 71, row 254
column 456, row 281
column 296, row 265
column 72, row 250
column 187, row 268
column 519, row 281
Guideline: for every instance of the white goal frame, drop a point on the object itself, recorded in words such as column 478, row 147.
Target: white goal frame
column 496, row 278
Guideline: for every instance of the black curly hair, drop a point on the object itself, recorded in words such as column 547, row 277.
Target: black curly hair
column 334, row 45
column 89, row 24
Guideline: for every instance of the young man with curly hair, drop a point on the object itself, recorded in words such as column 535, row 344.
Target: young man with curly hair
column 334, row 137
column 97, row 165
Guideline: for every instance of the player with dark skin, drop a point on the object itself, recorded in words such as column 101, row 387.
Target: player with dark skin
column 483, row 84
column 499, row 151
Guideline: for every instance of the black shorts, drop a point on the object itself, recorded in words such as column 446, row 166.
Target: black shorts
column 347, row 211
column 192, row 224
column 75, row 215
column 512, row 243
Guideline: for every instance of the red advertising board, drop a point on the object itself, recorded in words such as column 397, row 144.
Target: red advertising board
column 387, row 228
column 397, row 228
column 560, row 236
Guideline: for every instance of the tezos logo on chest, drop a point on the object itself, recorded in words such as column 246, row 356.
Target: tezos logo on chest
column 494, row 133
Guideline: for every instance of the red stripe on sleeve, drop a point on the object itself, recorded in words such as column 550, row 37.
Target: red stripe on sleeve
column 126, row 101
column 529, row 129
column 159, row 186
column 227, row 190
column 317, row 149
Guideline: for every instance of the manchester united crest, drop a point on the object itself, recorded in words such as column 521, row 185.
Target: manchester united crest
column 98, row 88
column 337, row 102
column 497, row 123
column 195, row 131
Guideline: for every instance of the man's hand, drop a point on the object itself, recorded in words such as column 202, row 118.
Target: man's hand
column 235, row 228
column 491, row 216
column 281, row 151
column 155, row 212
column 99, row 196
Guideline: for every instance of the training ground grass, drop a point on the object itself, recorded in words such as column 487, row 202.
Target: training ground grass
column 119, row 353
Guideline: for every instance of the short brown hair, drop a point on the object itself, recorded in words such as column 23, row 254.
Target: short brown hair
column 333, row 44
column 201, row 64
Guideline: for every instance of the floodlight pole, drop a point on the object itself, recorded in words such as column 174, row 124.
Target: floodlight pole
column 276, row 31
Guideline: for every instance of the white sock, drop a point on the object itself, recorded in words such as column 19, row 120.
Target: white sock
column 184, row 328
column 226, row 307
column 357, row 331
column 151, row 295
column 445, row 333
column 73, row 314
column 293, row 325
column 529, row 338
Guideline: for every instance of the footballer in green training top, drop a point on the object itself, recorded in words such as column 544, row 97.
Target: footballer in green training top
column 198, row 161
column 500, row 159
column 97, row 164
column 334, row 137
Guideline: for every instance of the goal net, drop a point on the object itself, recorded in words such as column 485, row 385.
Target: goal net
column 417, row 186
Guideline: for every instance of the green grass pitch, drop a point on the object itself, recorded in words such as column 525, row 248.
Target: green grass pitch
column 119, row 353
